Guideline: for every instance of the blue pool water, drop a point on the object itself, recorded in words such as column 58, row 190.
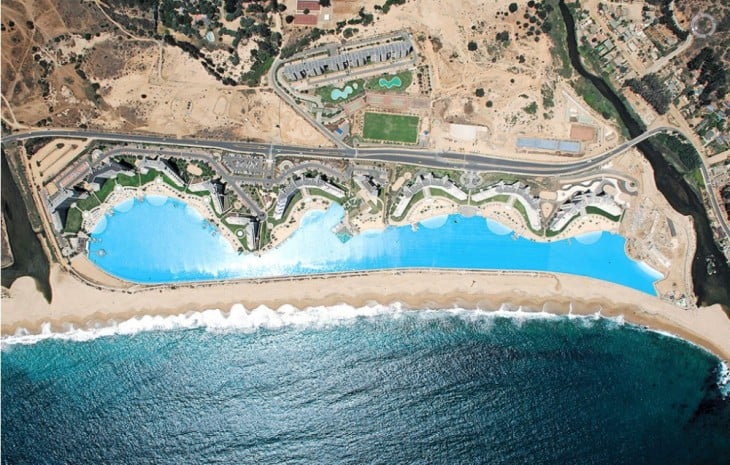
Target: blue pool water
column 432, row 387
column 338, row 94
column 394, row 82
column 163, row 240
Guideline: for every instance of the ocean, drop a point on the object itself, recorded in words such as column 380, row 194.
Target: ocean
column 162, row 240
column 375, row 384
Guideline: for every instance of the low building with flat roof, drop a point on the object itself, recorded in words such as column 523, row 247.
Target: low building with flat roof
column 305, row 20
column 549, row 145
column 305, row 5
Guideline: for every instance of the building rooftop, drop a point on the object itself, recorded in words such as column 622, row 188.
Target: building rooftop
column 305, row 20
column 553, row 145
column 311, row 6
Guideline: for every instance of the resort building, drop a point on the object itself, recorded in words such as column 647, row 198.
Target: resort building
column 427, row 181
column 250, row 228
column 59, row 203
column 163, row 166
column 577, row 206
column 216, row 190
column 72, row 175
column 368, row 187
column 108, row 171
column 395, row 50
column 282, row 201
column 519, row 192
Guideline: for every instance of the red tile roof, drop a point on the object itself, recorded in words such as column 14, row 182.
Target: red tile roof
column 305, row 20
column 311, row 6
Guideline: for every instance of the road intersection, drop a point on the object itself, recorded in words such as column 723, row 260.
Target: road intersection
column 431, row 159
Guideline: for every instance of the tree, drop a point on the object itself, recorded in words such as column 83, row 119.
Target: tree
column 530, row 109
column 512, row 7
column 325, row 3
column 503, row 36
column 479, row 92
column 489, row 104
column 289, row 19
column 472, row 46
column 306, row 11
column 651, row 88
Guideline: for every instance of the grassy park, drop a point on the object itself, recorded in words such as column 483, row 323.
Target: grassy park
column 388, row 127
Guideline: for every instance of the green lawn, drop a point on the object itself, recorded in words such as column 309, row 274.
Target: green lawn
column 387, row 127
column 73, row 221
column 597, row 211
column 124, row 180
column 106, row 189
column 89, row 203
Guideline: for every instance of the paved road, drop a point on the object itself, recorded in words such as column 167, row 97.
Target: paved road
column 443, row 160
column 284, row 95
column 446, row 160
column 215, row 164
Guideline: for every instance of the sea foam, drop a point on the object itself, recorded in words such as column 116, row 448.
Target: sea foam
column 240, row 318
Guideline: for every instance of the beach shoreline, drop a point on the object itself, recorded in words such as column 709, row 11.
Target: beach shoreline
column 84, row 306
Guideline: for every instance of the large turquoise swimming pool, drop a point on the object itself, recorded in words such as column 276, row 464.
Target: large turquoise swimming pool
column 162, row 240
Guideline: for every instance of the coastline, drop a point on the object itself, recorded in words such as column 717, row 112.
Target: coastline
column 83, row 306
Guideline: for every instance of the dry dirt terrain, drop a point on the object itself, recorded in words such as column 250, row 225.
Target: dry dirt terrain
column 82, row 70
column 513, row 74
column 67, row 63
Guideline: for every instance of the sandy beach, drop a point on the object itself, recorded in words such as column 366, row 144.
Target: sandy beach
column 83, row 305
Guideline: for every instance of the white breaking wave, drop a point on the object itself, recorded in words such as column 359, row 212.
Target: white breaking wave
column 241, row 319
column 723, row 380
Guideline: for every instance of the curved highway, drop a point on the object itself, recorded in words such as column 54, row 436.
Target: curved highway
column 433, row 159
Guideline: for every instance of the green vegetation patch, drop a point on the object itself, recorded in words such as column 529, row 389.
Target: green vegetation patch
column 591, row 210
column 653, row 90
column 88, row 203
column 124, row 180
column 389, row 127
column 678, row 150
column 106, row 189
column 73, row 221
column 595, row 99
column 530, row 109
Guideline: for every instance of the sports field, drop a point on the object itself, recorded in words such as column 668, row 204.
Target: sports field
column 387, row 127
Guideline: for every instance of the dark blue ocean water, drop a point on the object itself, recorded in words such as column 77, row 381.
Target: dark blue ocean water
column 428, row 387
